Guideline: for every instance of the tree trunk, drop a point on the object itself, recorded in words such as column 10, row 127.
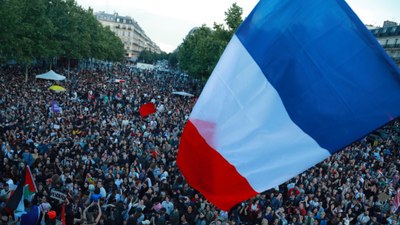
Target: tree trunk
column 26, row 73
column 69, row 65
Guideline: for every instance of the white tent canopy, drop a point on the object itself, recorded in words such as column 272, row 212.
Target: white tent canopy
column 182, row 93
column 51, row 75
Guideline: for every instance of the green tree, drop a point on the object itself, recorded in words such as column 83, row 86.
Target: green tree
column 173, row 59
column 10, row 18
column 57, row 12
column 196, row 54
column 86, row 38
column 233, row 18
column 201, row 49
column 35, row 30
column 73, row 42
column 114, row 47
column 32, row 33
column 147, row 56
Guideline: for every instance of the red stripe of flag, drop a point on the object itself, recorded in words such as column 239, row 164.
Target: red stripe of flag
column 29, row 180
column 18, row 194
column 64, row 222
column 209, row 172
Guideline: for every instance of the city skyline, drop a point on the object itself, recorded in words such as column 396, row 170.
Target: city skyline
column 168, row 22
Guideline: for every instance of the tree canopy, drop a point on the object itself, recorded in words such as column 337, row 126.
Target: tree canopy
column 202, row 47
column 45, row 29
column 150, row 57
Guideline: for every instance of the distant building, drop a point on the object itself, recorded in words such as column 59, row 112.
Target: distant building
column 389, row 37
column 131, row 34
column 388, row 23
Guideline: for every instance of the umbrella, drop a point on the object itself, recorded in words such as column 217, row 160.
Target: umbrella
column 182, row 93
column 57, row 88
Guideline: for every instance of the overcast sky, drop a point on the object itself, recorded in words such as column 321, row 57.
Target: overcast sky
column 168, row 22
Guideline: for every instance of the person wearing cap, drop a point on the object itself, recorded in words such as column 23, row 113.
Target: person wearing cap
column 51, row 217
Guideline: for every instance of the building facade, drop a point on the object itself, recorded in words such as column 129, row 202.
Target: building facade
column 131, row 34
column 389, row 37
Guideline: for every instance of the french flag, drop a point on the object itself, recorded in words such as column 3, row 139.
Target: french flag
column 298, row 81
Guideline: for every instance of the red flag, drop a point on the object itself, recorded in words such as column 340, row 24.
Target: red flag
column 29, row 180
column 147, row 109
column 64, row 222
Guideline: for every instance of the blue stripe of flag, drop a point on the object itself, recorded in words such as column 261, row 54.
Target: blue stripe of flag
column 333, row 77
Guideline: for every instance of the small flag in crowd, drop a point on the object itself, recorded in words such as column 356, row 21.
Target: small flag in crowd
column 119, row 81
column 25, row 190
column 147, row 109
column 298, row 81
column 55, row 107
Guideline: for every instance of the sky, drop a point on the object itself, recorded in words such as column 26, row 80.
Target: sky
column 168, row 22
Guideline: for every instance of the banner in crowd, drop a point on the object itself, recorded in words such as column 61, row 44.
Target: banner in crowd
column 55, row 107
column 298, row 81
column 58, row 195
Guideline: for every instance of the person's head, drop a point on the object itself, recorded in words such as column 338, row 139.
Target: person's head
column 183, row 218
column 201, row 214
column 4, row 218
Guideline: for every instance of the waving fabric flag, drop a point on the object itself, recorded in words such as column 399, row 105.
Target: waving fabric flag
column 25, row 190
column 147, row 109
column 298, row 81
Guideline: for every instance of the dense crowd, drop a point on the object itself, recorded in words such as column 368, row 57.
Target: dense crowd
column 119, row 168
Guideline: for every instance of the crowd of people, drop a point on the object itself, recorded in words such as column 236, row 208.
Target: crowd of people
column 116, row 167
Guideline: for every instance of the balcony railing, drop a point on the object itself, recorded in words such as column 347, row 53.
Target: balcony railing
column 391, row 45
